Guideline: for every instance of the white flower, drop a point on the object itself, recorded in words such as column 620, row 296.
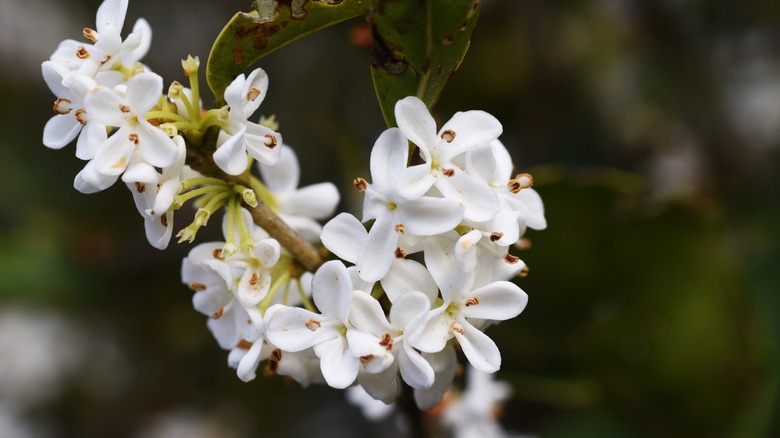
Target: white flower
column 394, row 199
column 134, row 133
column 71, row 119
column 228, row 321
column 240, row 136
column 464, row 131
column 107, row 48
column 464, row 300
column 300, row 208
column 520, row 207
column 154, row 192
column 294, row 329
column 372, row 408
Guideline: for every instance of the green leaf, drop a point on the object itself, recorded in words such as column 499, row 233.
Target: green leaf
column 418, row 45
column 253, row 35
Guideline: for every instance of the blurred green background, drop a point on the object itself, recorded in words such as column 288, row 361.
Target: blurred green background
column 652, row 130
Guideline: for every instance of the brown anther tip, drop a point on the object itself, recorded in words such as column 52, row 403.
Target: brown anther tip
column 218, row 313
column 495, row 236
column 252, row 94
column 198, row 287
column 472, row 301
column 523, row 272
column 270, row 141
column 387, row 341
column 140, row 187
column 511, row 259
column 81, row 116
column 366, row 358
column 514, row 186
column 90, row 34
column 244, row 344
column 448, row 135
column 312, row 324
column 448, row 172
column 253, row 279
column 133, row 138
column 124, row 108
column 360, row 184
column 217, row 254
column 525, row 180
column 399, row 253
column 164, row 220
column 62, row 106
column 400, row 228
column 82, row 52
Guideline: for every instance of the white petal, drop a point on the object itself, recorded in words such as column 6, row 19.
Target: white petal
column 367, row 315
column 378, row 251
column 247, row 368
column 111, row 16
column 497, row 301
column 416, row 181
column 287, row 328
column 388, row 159
column 332, row 290
column 284, row 175
column 234, row 94
column 466, row 250
column 408, row 275
column 258, row 80
column 374, row 357
column 60, row 130
column 478, row 198
column 415, row 370
column 409, row 310
column 344, row 236
column 317, row 201
column 255, row 141
column 472, row 129
column 92, row 135
column 231, row 154
column 479, row 349
column 416, row 123
column 159, row 230
column 54, row 74
column 254, row 285
column 143, row 92
column 338, row 365
column 102, row 105
column 432, row 335
column 429, row 216
column 142, row 36
column 440, row 260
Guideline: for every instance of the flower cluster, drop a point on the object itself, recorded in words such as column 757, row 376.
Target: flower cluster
column 430, row 261
column 126, row 127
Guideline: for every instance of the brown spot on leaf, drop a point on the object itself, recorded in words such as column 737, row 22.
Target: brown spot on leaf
column 447, row 40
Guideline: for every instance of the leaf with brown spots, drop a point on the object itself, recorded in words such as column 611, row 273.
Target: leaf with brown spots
column 249, row 36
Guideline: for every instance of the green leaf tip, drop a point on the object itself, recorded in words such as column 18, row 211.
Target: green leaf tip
column 418, row 45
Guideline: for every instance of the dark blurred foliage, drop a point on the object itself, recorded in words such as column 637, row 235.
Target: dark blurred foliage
column 653, row 133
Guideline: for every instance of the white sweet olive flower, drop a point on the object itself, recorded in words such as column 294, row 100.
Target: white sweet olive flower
column 71, row 119
column 463, row 132
column 154, row 193
column 300, row 208
column 294, row 329
column 107, row 50
column 239, row 135
column 126, row 111
column 201, row 272
column 464, row 300
column 520, row 205
column 395, row 201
